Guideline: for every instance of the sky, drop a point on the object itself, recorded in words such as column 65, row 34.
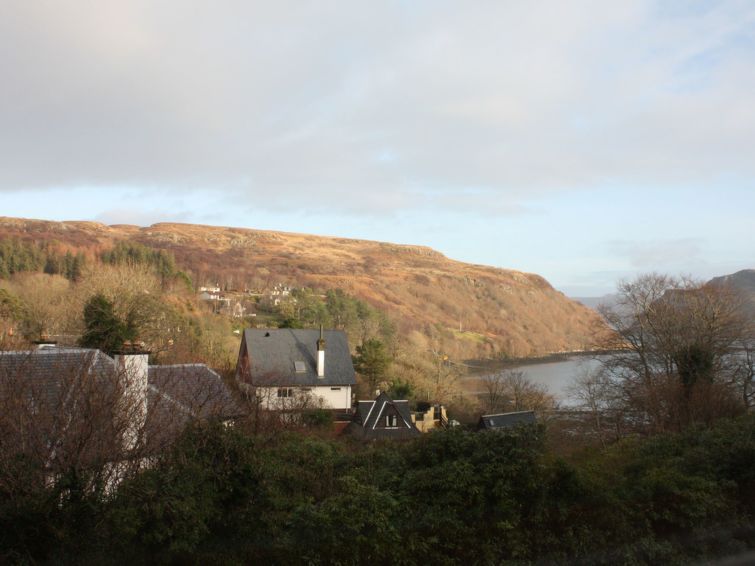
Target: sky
column 586, row 141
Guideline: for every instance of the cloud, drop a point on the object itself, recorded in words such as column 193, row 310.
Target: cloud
column 665, row 255
column 375, row 108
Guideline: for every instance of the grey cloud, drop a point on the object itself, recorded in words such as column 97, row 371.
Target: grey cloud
column 300, row 103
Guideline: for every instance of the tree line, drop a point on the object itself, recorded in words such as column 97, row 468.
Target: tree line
column 17, row 256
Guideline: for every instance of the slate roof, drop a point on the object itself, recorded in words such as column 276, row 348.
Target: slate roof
column 194, row 389
column 50, row 378
column 368, row 414
column 506, row 420
column 45, row 393
column 273, row 353
column 48, row 371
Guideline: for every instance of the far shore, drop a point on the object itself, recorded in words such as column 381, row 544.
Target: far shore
column 486, row 364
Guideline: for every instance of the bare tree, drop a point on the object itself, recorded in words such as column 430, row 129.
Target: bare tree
column 494, row 397
column 73, row 420
column 595, row 392
column 72, row 415
column 45, row 304
column 272, row 406
column 512, row 390
column 674, row 349
column 743, row 374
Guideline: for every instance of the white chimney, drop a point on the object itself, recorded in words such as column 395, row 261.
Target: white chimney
column 132, row 373
column 321, row 355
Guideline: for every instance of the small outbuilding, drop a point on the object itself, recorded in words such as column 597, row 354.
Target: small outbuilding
column 506, row 420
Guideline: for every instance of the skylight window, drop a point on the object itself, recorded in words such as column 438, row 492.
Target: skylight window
column 299, row 367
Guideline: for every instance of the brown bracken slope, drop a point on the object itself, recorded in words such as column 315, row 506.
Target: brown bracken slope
column 499, row 310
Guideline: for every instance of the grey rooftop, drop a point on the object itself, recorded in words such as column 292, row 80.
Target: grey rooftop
column 274, row 353
column 506, row 420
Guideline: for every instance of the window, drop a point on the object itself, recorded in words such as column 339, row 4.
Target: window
column 299, row 367
column 335, row 388
column 285, row 392
column 391, row 421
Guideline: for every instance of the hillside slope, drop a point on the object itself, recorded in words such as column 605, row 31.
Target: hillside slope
column 743, row 282
column 499, row 311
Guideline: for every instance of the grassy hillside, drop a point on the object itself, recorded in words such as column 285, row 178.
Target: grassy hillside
column 475, row 310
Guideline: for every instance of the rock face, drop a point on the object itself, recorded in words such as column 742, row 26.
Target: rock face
column 483, row 311
column 744, row 283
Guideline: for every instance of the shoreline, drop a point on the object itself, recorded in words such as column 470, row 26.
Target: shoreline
column 487, row 364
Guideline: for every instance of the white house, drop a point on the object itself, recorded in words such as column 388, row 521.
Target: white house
column 288, row 369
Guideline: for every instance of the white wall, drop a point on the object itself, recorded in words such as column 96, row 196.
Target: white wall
column 335, row 397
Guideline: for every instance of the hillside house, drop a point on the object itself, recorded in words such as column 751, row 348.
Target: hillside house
column 209, row 295
column 383, row 418
column 290, row 369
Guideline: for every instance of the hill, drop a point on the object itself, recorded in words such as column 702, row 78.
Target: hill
column 742, row 281
column 595, row 302
column 479, row 311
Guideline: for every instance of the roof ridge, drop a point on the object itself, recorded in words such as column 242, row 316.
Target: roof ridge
column 511, row 413
column 193, row 364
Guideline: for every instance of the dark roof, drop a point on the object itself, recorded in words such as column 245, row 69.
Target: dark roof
column 273, row 354
column 368, row 415
column 506, row 420
column 51, row 379
column 194, row 389
column 48, row 373
column 50, row 397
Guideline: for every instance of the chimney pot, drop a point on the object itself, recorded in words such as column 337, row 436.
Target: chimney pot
column 44, row 342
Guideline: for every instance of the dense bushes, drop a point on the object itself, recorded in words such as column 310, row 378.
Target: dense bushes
column 450, row 497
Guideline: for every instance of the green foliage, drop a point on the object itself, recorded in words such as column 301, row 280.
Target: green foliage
column 290, row 322
column 104, row 330
column 200, row 489
column 11, row 307
column 371, row 361
column 341, row 307
column 400, row 389
column 318, row 418
column 184, row 279
column 18, row 256
column 310, row 311
column 448, row 497
column 357, row 525
column 695, row 363
column 338, row 309
column 161, row 261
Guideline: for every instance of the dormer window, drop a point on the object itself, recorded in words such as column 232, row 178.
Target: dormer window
column 299, row 367
column 391, row 421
